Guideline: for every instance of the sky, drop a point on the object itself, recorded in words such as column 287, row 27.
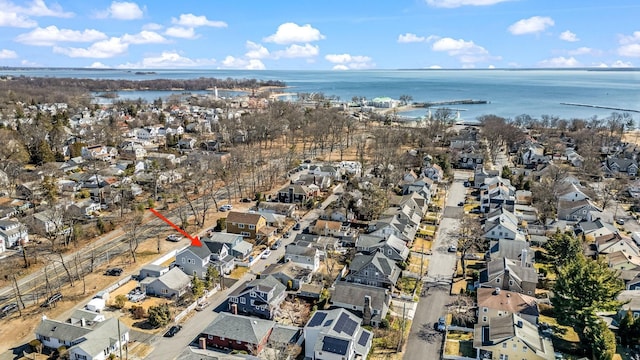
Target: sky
column 320, row 35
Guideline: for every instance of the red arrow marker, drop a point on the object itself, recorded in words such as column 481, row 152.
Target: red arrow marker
column 195, row 241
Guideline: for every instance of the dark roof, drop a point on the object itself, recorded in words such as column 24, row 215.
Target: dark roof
column 379, row 260
column 202, row 252
column 238, row 327
column 214, row 246
column 335, row 345
column 353, row 294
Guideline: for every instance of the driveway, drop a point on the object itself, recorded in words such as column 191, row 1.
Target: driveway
column 424, row 341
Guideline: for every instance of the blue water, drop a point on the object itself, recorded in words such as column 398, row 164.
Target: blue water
column 510, row 92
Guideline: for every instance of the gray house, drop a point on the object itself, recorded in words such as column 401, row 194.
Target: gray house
column 194, row 260
column 260, row 297
column 374, row 270
column 239, row 248
column 303, row 256
column 392, row 247
column 289, row 274
column 369, row 302
column 152, row 270
column 173, row 284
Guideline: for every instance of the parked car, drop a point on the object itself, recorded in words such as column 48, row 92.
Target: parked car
column 52, row 300
column 173, row 330
column 202, row 305
column 276, row 245
column 461, row 203
column 246, row 200
column 174, row 238
column 286, row 235
column 8, row 309
column 296, row 226
column 113, row 272
column 452, row 248
column 227, row 207
column 620, row 221
column 441, row 324
column 265, row 254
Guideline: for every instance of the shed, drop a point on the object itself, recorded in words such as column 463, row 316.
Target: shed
column 96, row 305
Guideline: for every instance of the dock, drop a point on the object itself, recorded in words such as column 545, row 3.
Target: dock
column 600, row 107
column 449, row 102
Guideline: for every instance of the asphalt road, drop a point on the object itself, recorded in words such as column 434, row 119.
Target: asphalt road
column 170, row 348
column 424, row 341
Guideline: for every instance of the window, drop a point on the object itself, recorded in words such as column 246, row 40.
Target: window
column 244, row 233
column 484, row 309
column 45, row 338
column 252, row 302
column 510, row 282
column 243, row 300
column 528, row 292
column 233, row 299
column 389, row 251
column 484, row 319
column 253, row 294
column 222, row 338
column 497, row 280
column 504, row 346
column 239, row 342
column 524, row 349
column 252, row 227
column 164, row 291
column 81, row 357
column 192, row 261
column 240, row 226
column 184, row 260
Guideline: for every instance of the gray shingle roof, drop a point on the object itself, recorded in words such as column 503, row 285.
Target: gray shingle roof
column 238, row 327
column 175, row 279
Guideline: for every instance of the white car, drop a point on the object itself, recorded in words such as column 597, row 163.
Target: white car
column 227, row 207
column 265, row 254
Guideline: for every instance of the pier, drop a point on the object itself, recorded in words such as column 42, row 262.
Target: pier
column 600, row 107
column 449, row 102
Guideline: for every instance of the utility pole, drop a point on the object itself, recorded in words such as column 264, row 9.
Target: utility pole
column 16, row 292
column 119, row 339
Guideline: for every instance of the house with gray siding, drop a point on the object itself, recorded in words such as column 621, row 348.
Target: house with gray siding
column 261, row 297
column 172, row 285
column 368, row 302
column 392, row 246
column 374, row 270
column 303, row 256
column 289, row 274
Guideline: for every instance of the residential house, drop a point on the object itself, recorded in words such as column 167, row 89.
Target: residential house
column 391, row 246
column 335, row 335
column 307, row 257
column 31, row 190
column 195, row 260
column 237, row 332
column 466, row 138
column 374, row 270
column 631, row 302
column 323, row 182
column 261, row 297
column 187, row 143
column 515, row 250
column 152, row 270
column 534, row 155
column 276, row 208
column 433, row 171
column 86, row 317
column 497, row 302
column 249, row 225
column 503, row 225
column 274, row 220
column 12, row 233
column 577, row 210
column 83, row 208
column 289, row 274
column 404, row 228
column 47, row 221
column 220, row 258
column 511, row 337
column 612, row 244
column 327, row 228
column 480, row 174
column 294, row 193
column 571, row 192
column 508, row 275
column 172, row 285
column 575, row 159
column 95, row 342
column 614, row 166
column 132, row 151
column 164, row 160
column 470, row 160
column 496, row 190
column 238, row 247
column 621, row 261
column 422, row 187
column 368, row 302
column 597, row 229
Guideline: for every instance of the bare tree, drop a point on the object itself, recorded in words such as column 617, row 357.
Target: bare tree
column 133, row 226
column 469, row 238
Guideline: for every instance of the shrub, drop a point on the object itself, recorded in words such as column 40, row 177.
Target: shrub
column 120, row 301
column 384, row 324
column 138, row 312
column 36, row 345
column 159, row 315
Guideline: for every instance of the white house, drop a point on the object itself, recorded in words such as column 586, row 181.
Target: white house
column 12, row 233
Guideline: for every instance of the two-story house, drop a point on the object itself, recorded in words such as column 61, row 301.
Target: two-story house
column 327, row 228
column 246, row 224
column 504, row 226
column 12, row 233
column 497, row 302
column 577, row 210
column 230, row 331
column 614, row 166
column 294, row 193
column 511, row 337
column 307, row 257
column 369, row 302
column 508, row 275
column 392, row 246
column 260, row 297
column 239, row 248
column 374, row 270
column 336, row 335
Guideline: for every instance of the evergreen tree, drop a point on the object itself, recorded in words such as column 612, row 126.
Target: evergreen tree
column 159, row 315
column 599, row 338
column 626, row 329
column 211, row 277
column 562, row 248
column 197, row 286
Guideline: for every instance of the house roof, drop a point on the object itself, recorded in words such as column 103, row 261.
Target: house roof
column 353, row 294
column 327, row 224
column 505, row 300
column 381, row 262
column 238, row 327
column 506, row 327
column 297, row 189
column 214, row 246
column 243, row 218
column 293, row 249
column 104, row 335
column 289, row 269
column 284, row 334
column 226, row 238
column 202, row 252
column 498, row 266
column 61, row 330
column 175, row 279
column 510, row 249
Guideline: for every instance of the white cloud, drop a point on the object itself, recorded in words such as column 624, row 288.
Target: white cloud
column 467, row 52
column 435, row 67
column 144, row 37
column 8, row 54
column 12, row 19
column 298, row 51
column 30, row 63
column 190, row 20
column 629, row 45
column 532, row 25
column 568, row 36
column 181, row 32
column 99, row 50
column 122, row 10
column 458, row 3
column 288, row 33
column 231, row 62
column 560, row 61
column 256, row 51
column 491, row 67
column 348, row 61
column 170, row 59
column 51, row 35
column 622, row 64
column 583, row 50
column 98, row 65
column 152, row 27
column 410, row 38
column 39, row 8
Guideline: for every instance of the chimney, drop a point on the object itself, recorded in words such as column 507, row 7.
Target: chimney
column 234, row 309
column 523, row 258
column 496, row 291
column 203, row 343
column 83, row 322
column 366, row 311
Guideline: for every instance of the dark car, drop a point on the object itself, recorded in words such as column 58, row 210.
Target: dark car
column 173, row 330
column 296, row 226
column 8, row 309
column 52, row 300
column 113, row 272
column 276, row 245
column 246, row 200
column 461, row 203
